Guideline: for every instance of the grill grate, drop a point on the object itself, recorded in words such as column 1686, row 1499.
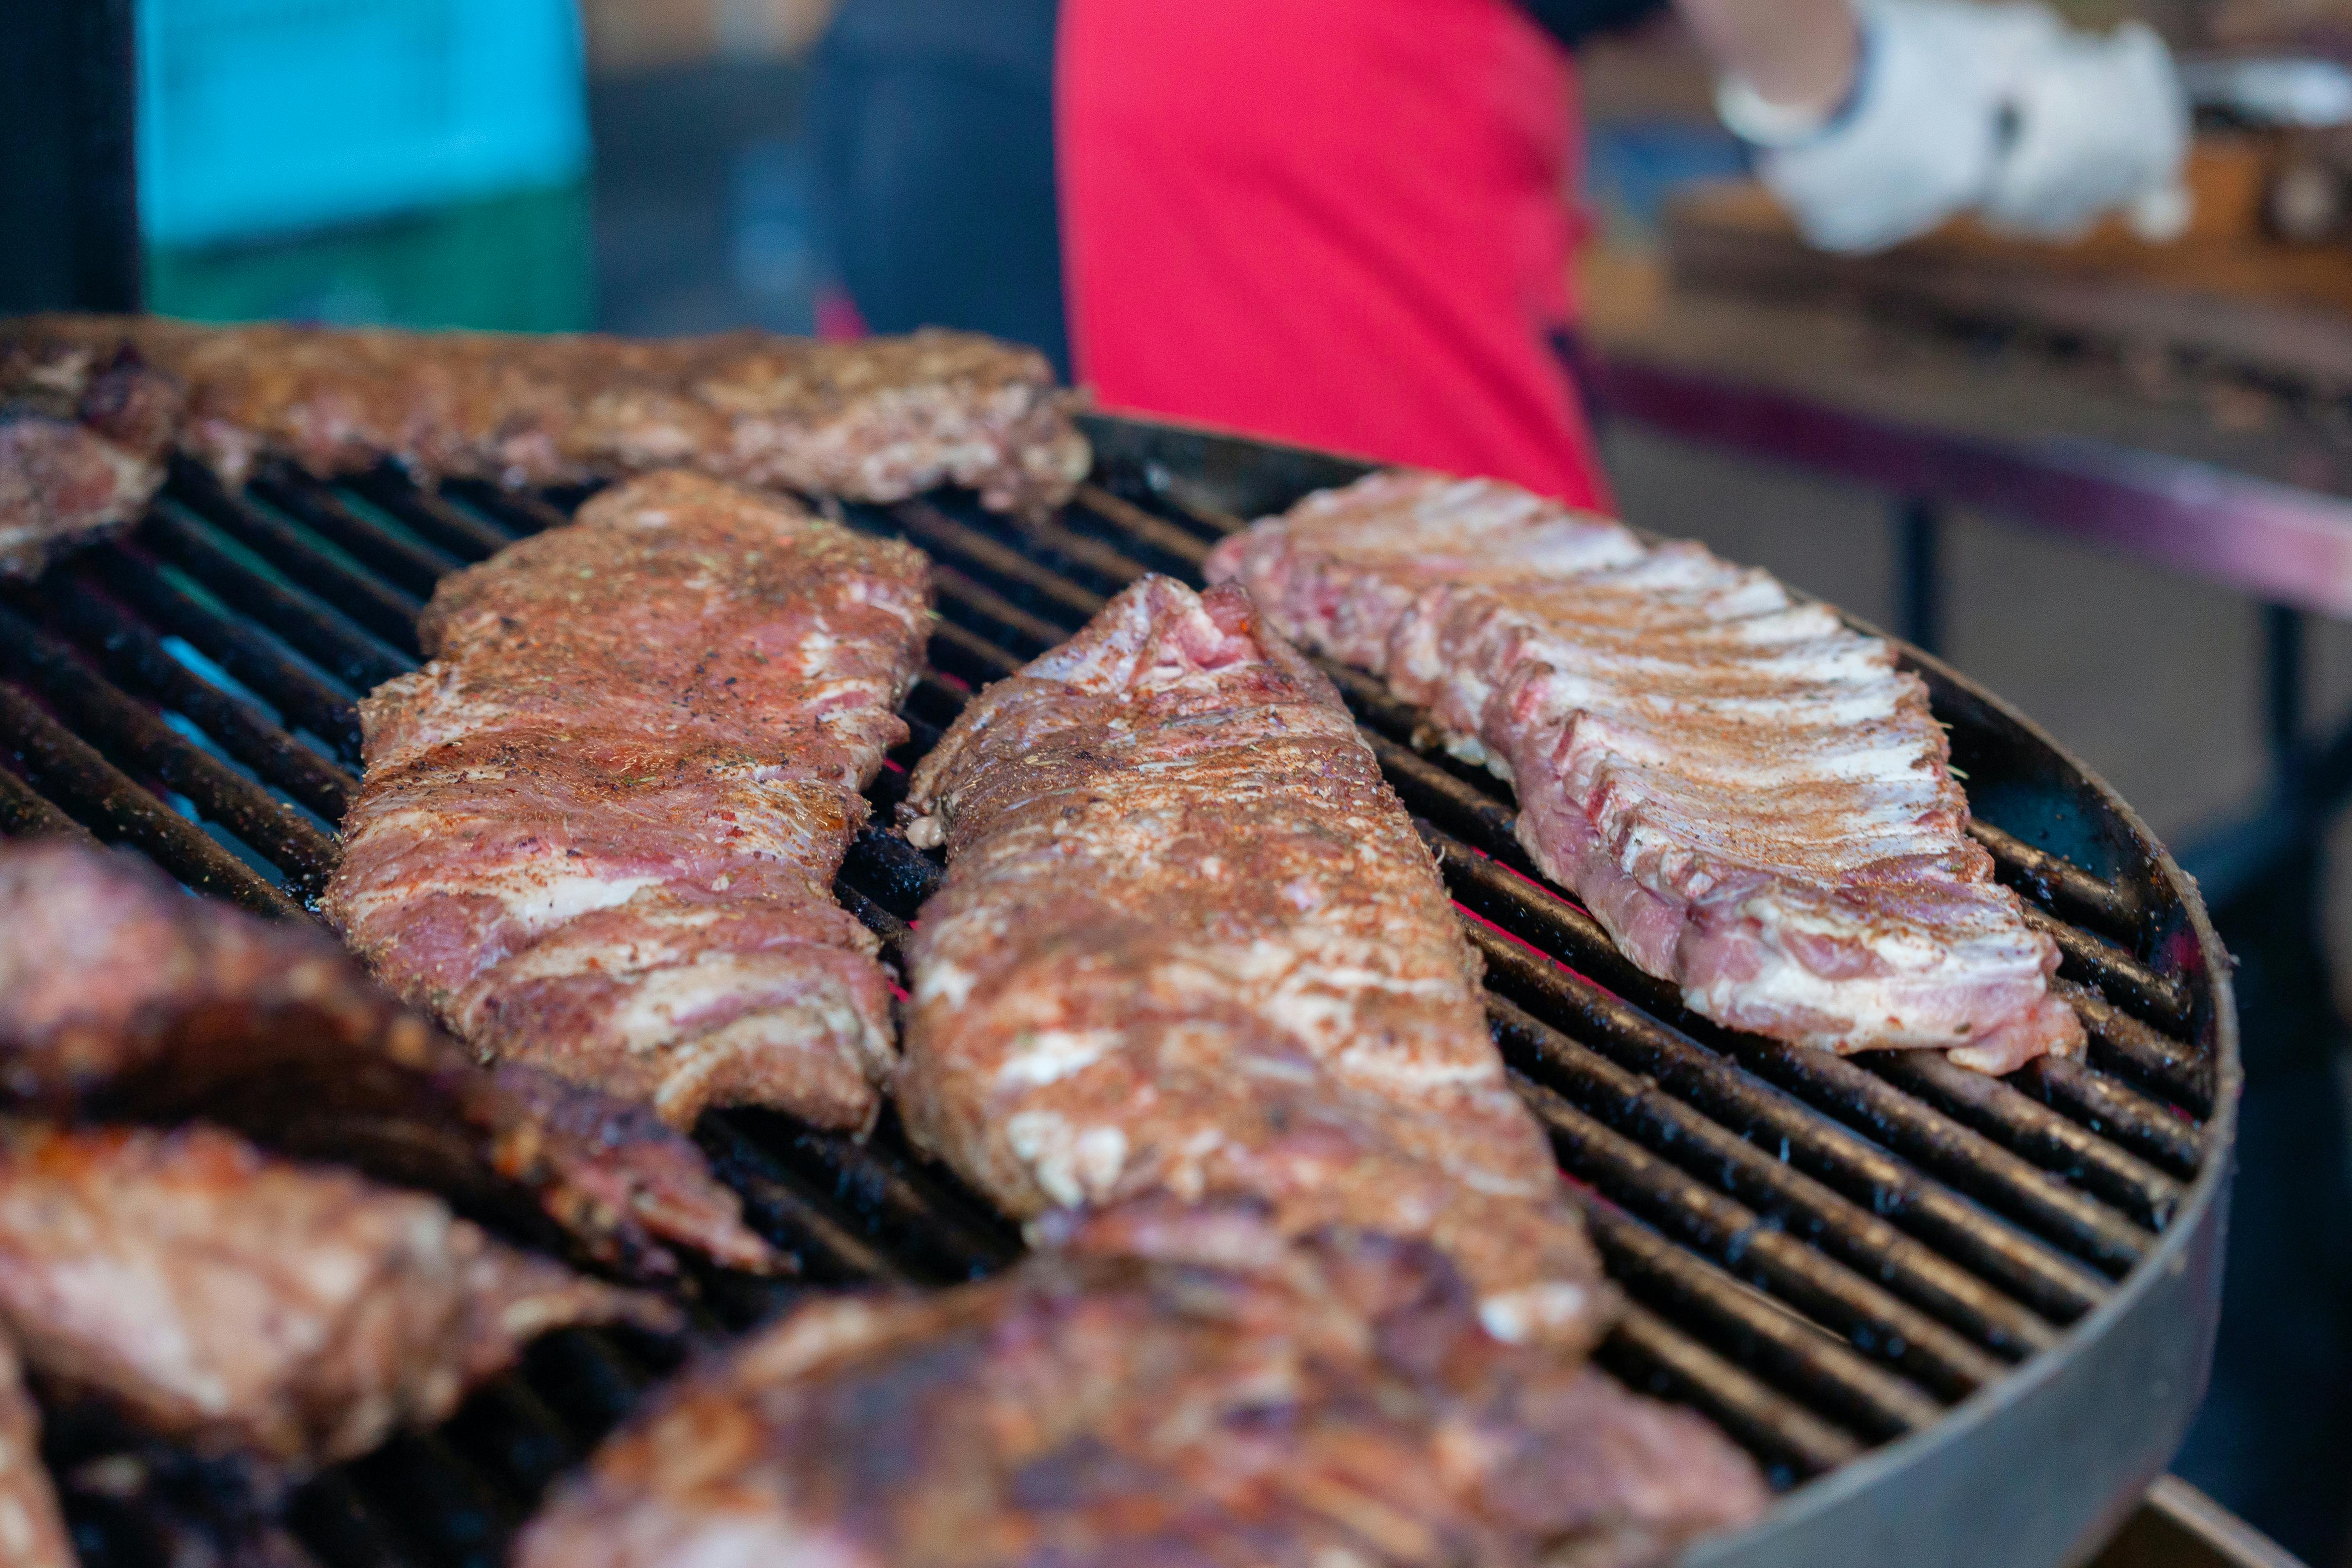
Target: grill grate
column 1822, row 1253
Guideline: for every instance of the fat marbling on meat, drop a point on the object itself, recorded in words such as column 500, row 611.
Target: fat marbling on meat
column 82, row 449
column 598, row 833
column 32, row 1527
column 1169, row 1387
column 1752, row 797
column 123, row 998
column 208, row 1294
column 878, row 419
column 1189, row 943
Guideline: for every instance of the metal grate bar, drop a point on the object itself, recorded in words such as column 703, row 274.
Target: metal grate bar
column 2052, row 1284
column 412, row 564
column 976, row 658
column 967, row 599
column 1776, row 1343
column 775, row 1203
column 1806, row 1208
column 428, row 516
column 137, row 659
column 2157, row 998
column 384, row 610
column 938, row 1228
column 1592, row 1014
column 1877, row 1324
column 25, row 813
column 1648, row 1353
column 2121, row 1044
column 2036, row 1131
column 137, row 738
column 1964, row 1160
column 1184, row 500
column 71, row 773
column 1550, row 921
column 2049, row 879
column 250, row 656
column 1079, row 554
column 519, row 510
column 317, row 632
column 1139, row 527
column 935, row 530
column 2114, row 1111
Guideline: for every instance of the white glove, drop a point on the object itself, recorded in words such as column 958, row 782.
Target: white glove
column 1957, row 106
column 2100, row 124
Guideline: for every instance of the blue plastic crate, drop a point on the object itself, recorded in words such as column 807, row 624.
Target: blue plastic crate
column 260, row 117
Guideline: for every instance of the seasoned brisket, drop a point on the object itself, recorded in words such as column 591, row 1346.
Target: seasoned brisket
column 1751, row 796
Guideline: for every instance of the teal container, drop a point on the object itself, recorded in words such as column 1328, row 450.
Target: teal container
column 262, row 118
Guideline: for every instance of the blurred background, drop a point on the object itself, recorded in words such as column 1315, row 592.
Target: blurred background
column 645, row 166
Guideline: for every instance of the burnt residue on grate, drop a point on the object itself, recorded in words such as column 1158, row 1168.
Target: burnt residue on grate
column 1822, row 1253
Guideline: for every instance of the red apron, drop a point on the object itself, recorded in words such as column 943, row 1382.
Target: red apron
column 1337, row 222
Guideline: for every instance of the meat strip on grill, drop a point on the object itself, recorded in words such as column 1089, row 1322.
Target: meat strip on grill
column 598, row 833
column 81, row 453
column 123, row 998
column 1172, row 1387
column 879, row 419
column 1751, row 796
column 1189, row 943
column 210, row 1295
column 32, row 1529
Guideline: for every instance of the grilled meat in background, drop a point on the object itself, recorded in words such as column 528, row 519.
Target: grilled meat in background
column 80, row 455
column 1169, row 1386
column 1752, row 798
column 32, row 1529
column 879, row 419
column 121, row 997
column 1190, row 943
column 598, row 834
column 210, row 1295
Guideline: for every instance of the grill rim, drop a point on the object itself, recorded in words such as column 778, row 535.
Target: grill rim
column 2008, row 1438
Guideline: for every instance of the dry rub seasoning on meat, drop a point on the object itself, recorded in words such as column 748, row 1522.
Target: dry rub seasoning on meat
column 82, row 450
column 123, row 999
column 1168, row 1386
column 212, row 1296
column 879, row 419
column 1751, row 796
column 1190, row 943
column 598, row 833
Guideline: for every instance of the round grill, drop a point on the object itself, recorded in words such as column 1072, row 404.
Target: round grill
column 1961, row 1320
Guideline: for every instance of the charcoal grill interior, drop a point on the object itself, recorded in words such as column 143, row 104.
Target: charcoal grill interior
column 1825, row 1255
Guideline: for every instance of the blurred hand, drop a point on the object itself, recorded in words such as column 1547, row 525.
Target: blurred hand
column 2100, row 124
column 1956, row 106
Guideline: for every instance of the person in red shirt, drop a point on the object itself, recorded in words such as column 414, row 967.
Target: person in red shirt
column 1347, row 223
